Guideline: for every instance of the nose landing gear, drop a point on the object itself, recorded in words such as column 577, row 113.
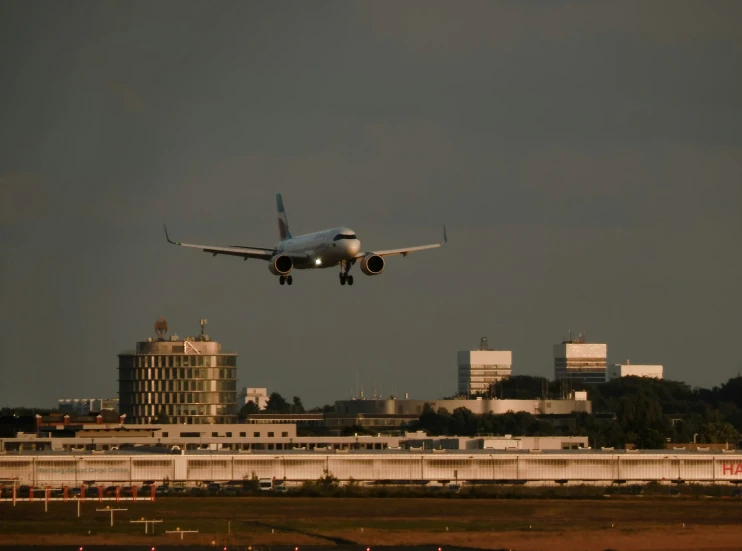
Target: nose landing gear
column 345, row 277
column 286, row 279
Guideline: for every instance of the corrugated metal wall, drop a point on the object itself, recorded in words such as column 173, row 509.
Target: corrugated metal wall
column 43, row 470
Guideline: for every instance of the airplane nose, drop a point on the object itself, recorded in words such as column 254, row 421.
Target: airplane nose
column 354, row 247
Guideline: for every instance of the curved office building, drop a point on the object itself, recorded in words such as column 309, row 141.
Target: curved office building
column 178, row 381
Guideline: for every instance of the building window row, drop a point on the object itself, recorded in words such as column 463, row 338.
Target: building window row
column 179, row 398
column 177, row 386
column 149, row 373
column 183, row 360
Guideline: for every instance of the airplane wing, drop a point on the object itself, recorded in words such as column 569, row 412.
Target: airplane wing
column 408, row 250
column 234, row 250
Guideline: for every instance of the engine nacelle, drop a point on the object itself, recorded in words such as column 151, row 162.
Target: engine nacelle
column 280, row 264
column 372, row 264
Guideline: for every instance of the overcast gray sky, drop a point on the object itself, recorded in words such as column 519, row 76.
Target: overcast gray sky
column 586, row 157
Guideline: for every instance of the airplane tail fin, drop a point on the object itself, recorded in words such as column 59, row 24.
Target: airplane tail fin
column 283, row 222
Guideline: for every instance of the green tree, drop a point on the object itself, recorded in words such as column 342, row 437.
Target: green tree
column 297, row 407
column 719, row 432
column 276, row 404
column 249, row 408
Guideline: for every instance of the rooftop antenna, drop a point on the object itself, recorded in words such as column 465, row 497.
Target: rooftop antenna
column 160, row 327
column 483, row 344
column 203, row 324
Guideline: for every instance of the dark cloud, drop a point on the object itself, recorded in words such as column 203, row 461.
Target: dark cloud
column 585, row 156
column 23, row 198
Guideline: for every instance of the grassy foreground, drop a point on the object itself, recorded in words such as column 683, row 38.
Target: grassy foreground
column 634, row 523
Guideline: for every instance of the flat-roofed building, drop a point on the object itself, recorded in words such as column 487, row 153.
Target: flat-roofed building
column 577, row 360
column 478, row 369
column 628, row 369
column 579, row 403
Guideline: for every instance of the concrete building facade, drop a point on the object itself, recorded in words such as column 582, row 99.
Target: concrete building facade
column 258, row 396
column 478, row 369
column 479, row 406
column 617, row 371
column 576, row 360
column 191, row 381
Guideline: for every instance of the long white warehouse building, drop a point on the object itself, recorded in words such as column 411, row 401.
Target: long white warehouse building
column 396, row 466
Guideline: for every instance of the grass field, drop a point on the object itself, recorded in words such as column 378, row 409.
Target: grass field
column 630, row 524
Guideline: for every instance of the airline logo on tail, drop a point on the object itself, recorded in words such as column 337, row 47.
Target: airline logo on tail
column 283, row 222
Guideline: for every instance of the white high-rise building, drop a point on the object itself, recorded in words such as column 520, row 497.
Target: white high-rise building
column 478, row 369
column 258, row 396
column 633, row 370
column 576, row 360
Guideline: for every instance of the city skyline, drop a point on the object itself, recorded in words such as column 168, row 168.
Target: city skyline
column 364, row 388
column 585, row 158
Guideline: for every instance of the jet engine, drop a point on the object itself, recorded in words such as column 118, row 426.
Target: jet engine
column 372, row 264
column 280, row 264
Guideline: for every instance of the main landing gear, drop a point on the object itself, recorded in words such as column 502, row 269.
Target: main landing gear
column 345, row 277
column 286, row 279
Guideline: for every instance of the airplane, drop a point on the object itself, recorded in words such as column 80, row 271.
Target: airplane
column 322, row 249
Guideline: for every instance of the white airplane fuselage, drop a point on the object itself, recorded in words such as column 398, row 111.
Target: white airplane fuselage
column 322, row 249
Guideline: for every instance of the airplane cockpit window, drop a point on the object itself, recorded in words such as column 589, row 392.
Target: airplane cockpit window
column 341, row 236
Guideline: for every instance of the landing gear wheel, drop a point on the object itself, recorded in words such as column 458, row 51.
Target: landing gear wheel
column 350, row 280
column 282, row 280
column 343, row 278
column 289, row 279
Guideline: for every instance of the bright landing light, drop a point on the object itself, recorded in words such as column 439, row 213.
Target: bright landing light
column 318, row 262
